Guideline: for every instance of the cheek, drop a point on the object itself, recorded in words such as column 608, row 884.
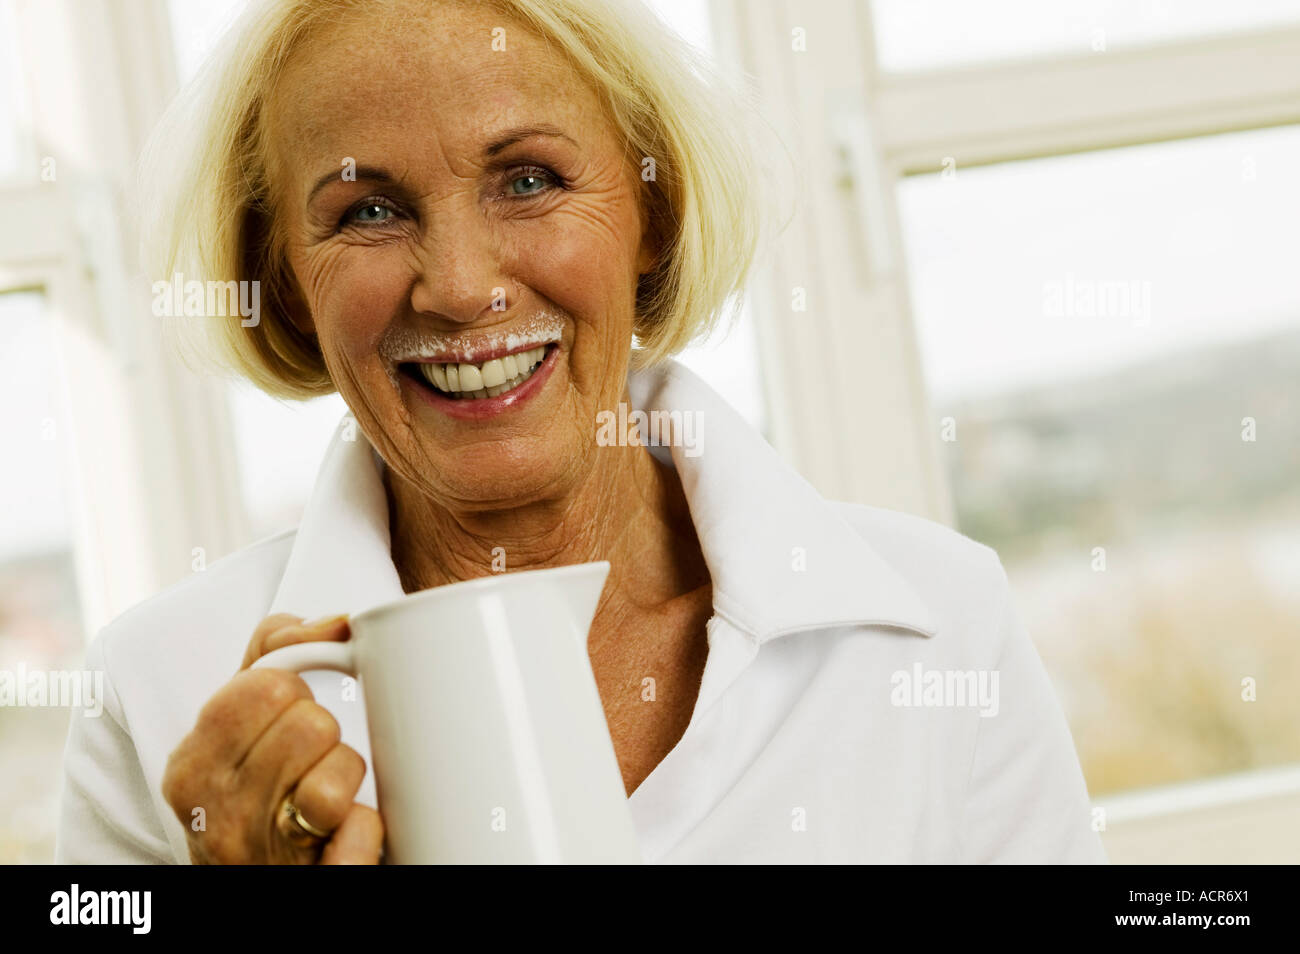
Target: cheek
column 353, row 294
column 582, row 259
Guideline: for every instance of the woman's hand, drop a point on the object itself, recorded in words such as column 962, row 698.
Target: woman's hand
column 260, row 739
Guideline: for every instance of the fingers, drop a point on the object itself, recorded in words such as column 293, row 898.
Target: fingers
column 359, row 839
column 302, row 736
column 239, row 713
column 259, row 737
column 242, row 710
column 281, row 630
column 325, row 795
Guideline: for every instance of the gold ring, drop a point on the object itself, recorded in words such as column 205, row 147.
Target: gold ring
column 302, row 824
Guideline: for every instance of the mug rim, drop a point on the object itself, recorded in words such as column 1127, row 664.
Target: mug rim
column 477, row 583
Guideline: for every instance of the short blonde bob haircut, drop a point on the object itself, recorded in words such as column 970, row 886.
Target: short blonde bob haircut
column 208, row 213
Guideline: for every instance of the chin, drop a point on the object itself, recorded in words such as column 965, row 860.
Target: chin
column 507, row 473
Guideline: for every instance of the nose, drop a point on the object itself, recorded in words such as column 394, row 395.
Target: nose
column 459, row 268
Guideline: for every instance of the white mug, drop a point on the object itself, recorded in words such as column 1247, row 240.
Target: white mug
column 487, row 732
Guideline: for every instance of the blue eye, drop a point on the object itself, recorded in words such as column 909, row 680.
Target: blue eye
column 372, row 211
column 537, row 179
column 381, row 212
column 528, row 178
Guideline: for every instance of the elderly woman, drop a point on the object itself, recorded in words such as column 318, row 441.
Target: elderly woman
column 461, row 214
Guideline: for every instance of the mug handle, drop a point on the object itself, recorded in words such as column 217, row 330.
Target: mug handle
column 300, row 657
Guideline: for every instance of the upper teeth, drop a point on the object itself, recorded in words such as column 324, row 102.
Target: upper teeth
column 487, row 379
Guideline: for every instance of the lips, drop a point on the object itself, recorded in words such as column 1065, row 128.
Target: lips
column 481, row 403
column 468, row 381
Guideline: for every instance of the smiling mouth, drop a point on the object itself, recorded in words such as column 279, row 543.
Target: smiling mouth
column 466, row 381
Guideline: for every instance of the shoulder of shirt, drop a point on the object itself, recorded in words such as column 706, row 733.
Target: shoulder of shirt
column 233, row 591
column 901, row 535
column 961, row 580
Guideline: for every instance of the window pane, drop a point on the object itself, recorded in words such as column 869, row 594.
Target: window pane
column 729, row 364
column 280, row 445
column 1116, row 339
column 938, row 34
column 40, row 619
column 37, row 576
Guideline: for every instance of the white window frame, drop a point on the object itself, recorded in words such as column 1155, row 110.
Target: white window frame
column 908, row 123
column 845, row 393
column 860, row 427
column 152, row 463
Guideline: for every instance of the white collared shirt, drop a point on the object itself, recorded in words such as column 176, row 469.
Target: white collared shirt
column 869, row 693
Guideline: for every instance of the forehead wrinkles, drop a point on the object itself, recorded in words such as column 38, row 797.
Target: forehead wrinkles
column 374, row 86
column 401, row 74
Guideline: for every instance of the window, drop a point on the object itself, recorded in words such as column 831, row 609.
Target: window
column 279, row 446
column 40, row 612
column 1184, row 242
column 1111, row 342
column 1085, row 262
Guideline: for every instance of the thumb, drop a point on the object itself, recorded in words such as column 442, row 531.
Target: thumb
column 359, row 840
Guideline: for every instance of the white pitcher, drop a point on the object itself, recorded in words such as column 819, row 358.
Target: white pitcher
column 486, row 729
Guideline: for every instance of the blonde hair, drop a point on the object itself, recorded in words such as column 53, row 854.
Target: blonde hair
column 205, row 171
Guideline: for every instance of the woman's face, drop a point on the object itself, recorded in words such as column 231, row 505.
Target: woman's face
column 449, row 192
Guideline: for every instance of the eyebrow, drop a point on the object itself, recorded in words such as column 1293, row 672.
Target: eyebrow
column 519, row 133
column 369, row 173
column 504, row 140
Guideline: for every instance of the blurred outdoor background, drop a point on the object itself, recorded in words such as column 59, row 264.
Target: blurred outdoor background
column 1051, row 262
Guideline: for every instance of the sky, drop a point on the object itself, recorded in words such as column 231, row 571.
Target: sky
column 1206, row 228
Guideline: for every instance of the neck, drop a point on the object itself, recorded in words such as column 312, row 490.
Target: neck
column 628, row 509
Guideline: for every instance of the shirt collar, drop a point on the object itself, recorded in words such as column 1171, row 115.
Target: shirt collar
column 341, row 560
column 781, row 558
